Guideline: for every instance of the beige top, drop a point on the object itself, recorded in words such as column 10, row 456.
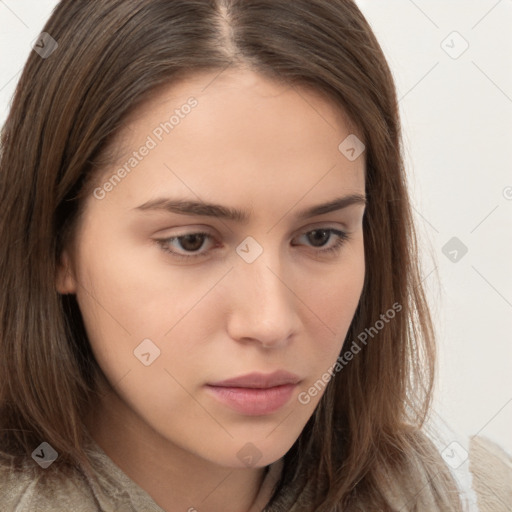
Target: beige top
column 490, row 466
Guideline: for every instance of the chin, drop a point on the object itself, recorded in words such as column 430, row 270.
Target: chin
column 251, row 454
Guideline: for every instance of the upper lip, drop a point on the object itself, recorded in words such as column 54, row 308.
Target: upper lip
column 259, row 380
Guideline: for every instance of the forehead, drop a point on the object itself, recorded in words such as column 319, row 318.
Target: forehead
column 244, row 133
column 241, row 87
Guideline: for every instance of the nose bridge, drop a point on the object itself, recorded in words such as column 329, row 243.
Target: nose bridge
column 262, row 280
column 264, row 306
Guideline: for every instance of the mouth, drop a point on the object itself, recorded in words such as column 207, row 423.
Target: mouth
column 255, row 394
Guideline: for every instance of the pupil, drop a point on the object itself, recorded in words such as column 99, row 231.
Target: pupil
column 324, row 236
column 192, row 238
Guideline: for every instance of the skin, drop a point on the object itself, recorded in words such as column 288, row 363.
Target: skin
column 262, row 147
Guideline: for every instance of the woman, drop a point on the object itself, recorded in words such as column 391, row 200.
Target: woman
column 283, row 363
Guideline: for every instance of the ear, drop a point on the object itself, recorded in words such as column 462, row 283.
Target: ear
column 64, row 280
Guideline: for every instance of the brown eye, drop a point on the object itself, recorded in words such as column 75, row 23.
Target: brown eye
column 191, row 242
column 185, row 246
column 319, row 237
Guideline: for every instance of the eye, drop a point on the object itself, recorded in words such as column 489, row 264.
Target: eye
column 191, row 243
column 321, row 236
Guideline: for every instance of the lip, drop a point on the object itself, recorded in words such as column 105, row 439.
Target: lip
column 255, row 394
column 259, row 380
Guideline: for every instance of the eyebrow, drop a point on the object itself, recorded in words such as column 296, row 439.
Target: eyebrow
column 187, row 207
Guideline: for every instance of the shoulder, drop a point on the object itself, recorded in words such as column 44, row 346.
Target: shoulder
column 479, row 468
column 491, row 468
column 32, row 489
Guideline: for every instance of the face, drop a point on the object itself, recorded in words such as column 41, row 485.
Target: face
column 179, row 299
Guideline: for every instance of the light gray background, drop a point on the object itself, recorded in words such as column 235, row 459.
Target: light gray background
column 457, row 119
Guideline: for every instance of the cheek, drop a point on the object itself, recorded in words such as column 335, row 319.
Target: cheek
column 131, row 296
column 334, row 300
column 132, row 291
column 116, row 304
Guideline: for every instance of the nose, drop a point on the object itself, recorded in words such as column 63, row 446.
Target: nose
column 262, row 305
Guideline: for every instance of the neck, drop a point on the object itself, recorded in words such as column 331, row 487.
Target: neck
column 176, row 479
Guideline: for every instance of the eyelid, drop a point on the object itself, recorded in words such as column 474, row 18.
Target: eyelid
column 337, row 226
column 199, row 229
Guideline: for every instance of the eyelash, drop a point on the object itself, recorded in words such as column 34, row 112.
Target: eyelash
column 342, row 237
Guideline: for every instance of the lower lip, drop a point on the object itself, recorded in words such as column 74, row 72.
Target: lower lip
column 254, row 401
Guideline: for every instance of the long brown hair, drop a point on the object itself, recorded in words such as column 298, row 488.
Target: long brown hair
column 112, row 55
